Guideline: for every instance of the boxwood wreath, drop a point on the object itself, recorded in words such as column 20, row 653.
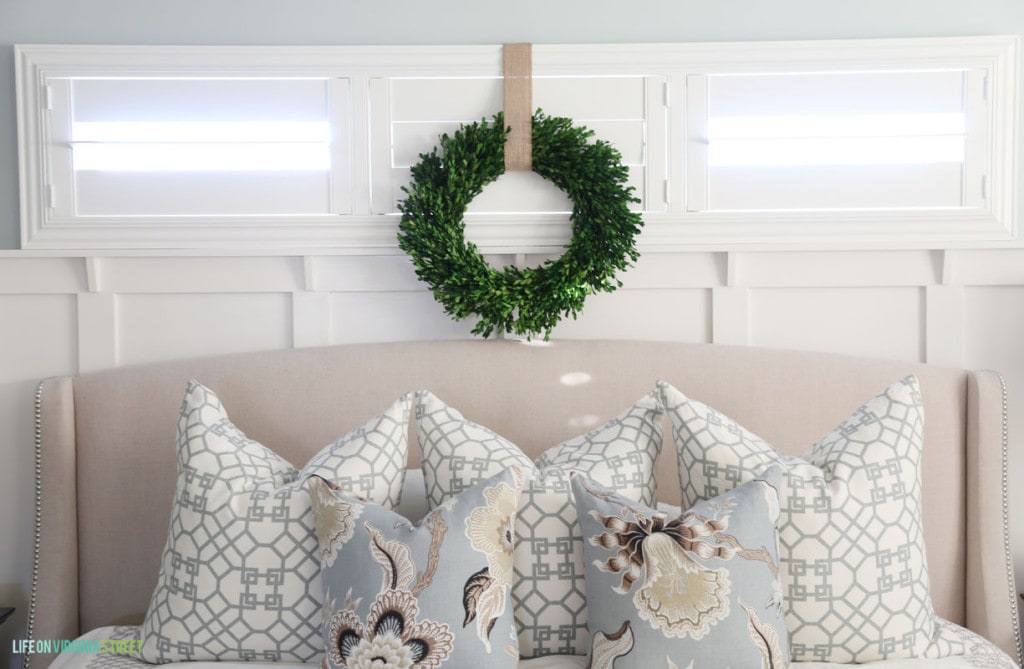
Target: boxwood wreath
column 522, row 301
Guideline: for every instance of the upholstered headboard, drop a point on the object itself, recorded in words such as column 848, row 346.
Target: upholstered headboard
column 106, row 461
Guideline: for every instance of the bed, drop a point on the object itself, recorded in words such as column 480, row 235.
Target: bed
column 106, row 464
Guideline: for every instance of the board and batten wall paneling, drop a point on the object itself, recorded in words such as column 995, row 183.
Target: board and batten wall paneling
column 64, row 315
column 643, row 313
column 391, row 316
column 156, row 327
column 880, row 322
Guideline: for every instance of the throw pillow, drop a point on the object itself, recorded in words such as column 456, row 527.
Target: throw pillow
column 548, row 586
column 852, row 546
column 239, row 577
column 700, row 589
column 428, row 595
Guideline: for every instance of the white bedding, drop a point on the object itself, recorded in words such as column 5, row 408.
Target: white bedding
column 980, row 654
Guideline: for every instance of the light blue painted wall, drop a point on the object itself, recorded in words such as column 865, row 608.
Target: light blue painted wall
column 457, row 22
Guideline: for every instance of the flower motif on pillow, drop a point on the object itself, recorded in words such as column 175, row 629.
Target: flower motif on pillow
column 547, row 566
column 392, row 637
column 334, row 522
column 406, row 619
column 491, row 530
column 699, row 586
column 854, row 565
column 677, row 595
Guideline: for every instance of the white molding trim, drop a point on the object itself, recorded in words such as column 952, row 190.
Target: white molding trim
column 504, row 233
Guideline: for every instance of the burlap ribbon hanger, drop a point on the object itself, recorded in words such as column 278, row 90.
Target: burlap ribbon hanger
column 518, row 105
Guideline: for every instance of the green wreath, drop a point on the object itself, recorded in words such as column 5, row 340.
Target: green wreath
column 526, row 301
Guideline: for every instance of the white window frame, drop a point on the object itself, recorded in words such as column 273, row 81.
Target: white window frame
column 669, row 224
column 994, row 221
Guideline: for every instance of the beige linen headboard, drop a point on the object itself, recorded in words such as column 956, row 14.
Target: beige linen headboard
column 106, row 461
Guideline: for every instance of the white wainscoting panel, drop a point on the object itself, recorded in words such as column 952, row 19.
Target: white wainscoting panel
column 42, row 276
column 74, row 313
column 643, row 313
column 237, row 274
column 944, row 325
column 838, row 268
column 993, row 268
column 365, row 273
column 311, row 319
column 675, row 270
column 38, row 337
column 392, row 316
column 730, row 319
column 883, row 322
column 98, row 336
column 155, row 327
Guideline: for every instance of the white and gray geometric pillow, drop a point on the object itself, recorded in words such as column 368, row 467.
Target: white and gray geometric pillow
column 239, row 577
column 548, row 584
column 855, row 575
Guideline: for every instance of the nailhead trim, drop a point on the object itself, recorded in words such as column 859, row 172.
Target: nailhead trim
column 30, row 621
column 1006, row 523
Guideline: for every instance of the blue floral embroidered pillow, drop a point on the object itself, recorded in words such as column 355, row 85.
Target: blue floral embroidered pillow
column 548, row 582
column 434, row 594
column 698, row 590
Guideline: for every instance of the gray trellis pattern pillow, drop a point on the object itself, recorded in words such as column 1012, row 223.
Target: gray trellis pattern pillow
column 239, row 578
column 424, row 596
column 548, row 587
column 852, row 544
column 697, row 589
